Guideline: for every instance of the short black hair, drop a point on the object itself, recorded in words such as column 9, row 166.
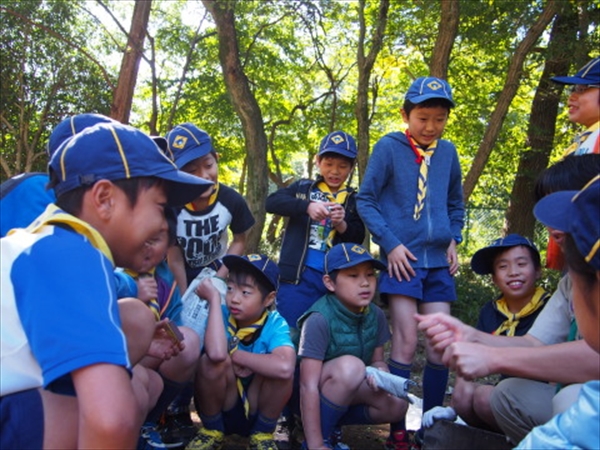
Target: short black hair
column 576, row 261
column 408, row 106
column 239, row 276
column 335, row 156
column 72, row 201
column 570, row 174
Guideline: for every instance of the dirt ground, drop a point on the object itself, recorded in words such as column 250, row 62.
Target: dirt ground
column 361, row 437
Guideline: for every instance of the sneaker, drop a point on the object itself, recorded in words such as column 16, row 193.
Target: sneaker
column 335, row 440
column 177, row 428
column 207, row 440
column 149, row 438
column 397, row 440
column 262, row 441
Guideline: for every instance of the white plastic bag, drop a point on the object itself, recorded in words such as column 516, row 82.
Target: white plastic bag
column 195, row 309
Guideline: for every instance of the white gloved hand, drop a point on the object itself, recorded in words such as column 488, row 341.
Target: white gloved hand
column 391, row 383
column 438, row 413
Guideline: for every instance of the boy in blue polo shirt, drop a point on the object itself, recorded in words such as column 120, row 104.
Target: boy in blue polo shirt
column 411, row 201
column 246, row 371
column 66, row 361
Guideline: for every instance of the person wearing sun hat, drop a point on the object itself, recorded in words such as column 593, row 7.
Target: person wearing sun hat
column 577, row 213
column 112, row 184
column 584, row 107
column 25, row 196
column 247, row 350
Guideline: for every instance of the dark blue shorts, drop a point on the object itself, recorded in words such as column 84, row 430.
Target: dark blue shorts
column 428, row 286
column 293, row 300
column 236, row 422
column 22, row 420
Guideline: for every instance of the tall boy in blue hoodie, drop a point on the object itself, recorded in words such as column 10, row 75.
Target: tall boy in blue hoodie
column 411, row 201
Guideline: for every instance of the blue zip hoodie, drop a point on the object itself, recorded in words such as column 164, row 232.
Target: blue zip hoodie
column 388, row 193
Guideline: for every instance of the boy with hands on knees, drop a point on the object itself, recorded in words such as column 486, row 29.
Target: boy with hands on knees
column 245, row 373
column 341, row 335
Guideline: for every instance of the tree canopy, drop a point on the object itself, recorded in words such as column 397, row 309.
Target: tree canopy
column 268, row 79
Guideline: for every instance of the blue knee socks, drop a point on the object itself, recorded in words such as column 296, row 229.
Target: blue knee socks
column 330, row 416
column 402, row 370
column 435, row 380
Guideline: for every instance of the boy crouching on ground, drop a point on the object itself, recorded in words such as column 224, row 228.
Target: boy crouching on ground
column 340, row 335
column 245, row 373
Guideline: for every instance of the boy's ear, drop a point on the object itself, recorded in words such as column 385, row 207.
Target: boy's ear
column 103, row 198
column 404, row 115
column 270, row 298
column 328, row 282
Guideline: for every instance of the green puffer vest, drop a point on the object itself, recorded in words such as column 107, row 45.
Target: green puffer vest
column 350, row 333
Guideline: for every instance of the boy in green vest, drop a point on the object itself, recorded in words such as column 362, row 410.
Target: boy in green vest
column 340, row 336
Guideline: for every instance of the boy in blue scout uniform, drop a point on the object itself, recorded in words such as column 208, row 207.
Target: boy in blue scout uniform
column 577, row 213
column 246, row 371
column 411, row 201
column 65, row 379
column 202, row 237
column 515, row 265
column 340, row 336
column 321, row 213
column 25, row 196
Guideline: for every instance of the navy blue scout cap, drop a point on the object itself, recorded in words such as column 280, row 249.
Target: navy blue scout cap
column 483, row 259
column 588, row 74
column 425, row 88
column 187, row 142
column 339, row 142
column 112, row 151
column 576, row 213
column 342, row 256
column 260, row 265
column 72, row 125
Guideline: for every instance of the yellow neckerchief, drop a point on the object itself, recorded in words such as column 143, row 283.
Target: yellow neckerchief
column 580, row 138
column 510, row 324
column 211, row 200
column 339, row 197
column 152, row 303
column 54, row 215
column 423, row 159
column 240, row 335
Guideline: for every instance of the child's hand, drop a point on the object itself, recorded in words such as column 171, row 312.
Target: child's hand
column 208, row 291
column 147, row 288
column 336, row 213
column 372, row 383
column 162, row 345
column 318, row 211
column 442, row 330
column 399, row 263
column 452, row 257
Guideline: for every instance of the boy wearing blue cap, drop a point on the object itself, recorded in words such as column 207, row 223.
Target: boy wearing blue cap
column 577, row 213
column 66, row 383
column 515, row 265
column 341, row 335
column 203, row 223
column 584, row 107
column 411, row 201
column 25, row 196
column 245, row 373
column 321, row 213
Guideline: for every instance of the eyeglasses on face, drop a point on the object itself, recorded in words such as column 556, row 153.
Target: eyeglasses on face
column 581, row 88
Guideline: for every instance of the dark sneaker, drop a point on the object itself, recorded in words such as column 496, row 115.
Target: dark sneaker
column 150, row 438
column 335, row 440
column 207, row 440
column 177, row 428
column 397, row 440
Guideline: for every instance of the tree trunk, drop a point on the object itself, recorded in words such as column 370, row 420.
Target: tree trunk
column 509, row 90
column 445, row 39
column 123, row 97
column 542, row 124
column 365, row 68
column 248, row 111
